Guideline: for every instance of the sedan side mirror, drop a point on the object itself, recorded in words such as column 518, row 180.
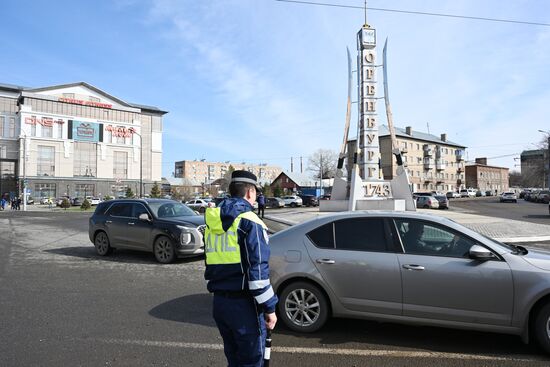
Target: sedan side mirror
column 144, row 217
column 481, row 253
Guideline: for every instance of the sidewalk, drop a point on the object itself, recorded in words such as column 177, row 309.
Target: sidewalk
column 501, row 229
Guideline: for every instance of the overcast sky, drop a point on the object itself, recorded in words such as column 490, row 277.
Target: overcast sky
column 262, row 81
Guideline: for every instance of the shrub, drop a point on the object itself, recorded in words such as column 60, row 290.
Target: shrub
column 65, row 204
column 85, row 205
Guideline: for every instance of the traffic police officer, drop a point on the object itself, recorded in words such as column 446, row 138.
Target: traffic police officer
column 237, row 271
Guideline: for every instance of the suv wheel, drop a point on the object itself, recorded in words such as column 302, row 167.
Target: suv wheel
column 303, row 307
column 102, row 244
column 164, row 250
column 542, row 327
column 293, row 205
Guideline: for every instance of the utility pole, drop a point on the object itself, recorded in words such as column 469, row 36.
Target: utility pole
column 25, row 173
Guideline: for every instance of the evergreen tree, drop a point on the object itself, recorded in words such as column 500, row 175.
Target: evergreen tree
column 277, row 191
column 267, row 190
column 155, row 191
column 65, row 204
column 129, row 192
column 85, row 205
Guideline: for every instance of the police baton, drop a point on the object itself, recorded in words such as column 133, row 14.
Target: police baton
column 267, row 352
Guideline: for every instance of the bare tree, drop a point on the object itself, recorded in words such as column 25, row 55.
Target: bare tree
column 323, row 163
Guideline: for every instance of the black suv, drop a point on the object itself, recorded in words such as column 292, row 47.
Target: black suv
column 166, row 228
column 309, row 200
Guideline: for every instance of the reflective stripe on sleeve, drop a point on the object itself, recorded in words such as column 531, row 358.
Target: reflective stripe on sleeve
column 265, row 296
column 258, row 284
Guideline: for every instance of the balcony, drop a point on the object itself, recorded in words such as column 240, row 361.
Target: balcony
column 427, row 178
column 440, row 164
column 459, row 182
column 459, row 154
column 428, row 163
column 428, row 152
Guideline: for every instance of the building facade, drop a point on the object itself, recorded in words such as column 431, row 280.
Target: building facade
column 433, row 162
column 487, row 178
column 534, row 168
column 77, row 140
column 204, row 172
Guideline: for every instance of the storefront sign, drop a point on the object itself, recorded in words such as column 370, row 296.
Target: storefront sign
column 85, row 131
column 44, row 121
column 85, row 103
column 120, row 131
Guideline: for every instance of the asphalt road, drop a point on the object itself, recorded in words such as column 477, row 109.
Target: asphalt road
column 491, row 206
column 62, row 305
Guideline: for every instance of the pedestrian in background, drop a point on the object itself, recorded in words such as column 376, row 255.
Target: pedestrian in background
column 2, row 203
column 261, row 204
column 237, row 271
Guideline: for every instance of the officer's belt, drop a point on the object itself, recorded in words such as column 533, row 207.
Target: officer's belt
column 233, row 294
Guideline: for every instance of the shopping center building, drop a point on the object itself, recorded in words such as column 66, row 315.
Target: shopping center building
column 76, row 140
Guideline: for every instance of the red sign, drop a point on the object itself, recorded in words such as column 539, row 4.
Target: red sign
column 120, row 131
column 86, row 103
column 44, row 121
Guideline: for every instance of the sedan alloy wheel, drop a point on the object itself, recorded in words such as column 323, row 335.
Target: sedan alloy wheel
column 303, row 307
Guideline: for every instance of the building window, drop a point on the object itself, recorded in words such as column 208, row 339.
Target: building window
column 47, row 131
column 120, row 168
column 2, row 123
column 85, row 159
column 120, row 140
column 68, row 95
column 45, row 190
column 11, row 133
column 46, row 161
column 83, row 190
column 60, row 131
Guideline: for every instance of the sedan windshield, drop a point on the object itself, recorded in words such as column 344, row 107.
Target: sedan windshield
column 165, row 209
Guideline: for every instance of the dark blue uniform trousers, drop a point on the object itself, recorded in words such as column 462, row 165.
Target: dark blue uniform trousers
column 243, row 330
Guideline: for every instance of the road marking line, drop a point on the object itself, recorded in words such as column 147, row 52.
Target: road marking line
column 354, row 352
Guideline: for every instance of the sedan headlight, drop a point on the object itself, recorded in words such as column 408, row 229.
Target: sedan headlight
column 186, row 236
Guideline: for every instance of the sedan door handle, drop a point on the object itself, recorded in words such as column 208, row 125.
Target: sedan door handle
column 325, row 261
column 131, row 223
column 108, row 221
column 413, row 267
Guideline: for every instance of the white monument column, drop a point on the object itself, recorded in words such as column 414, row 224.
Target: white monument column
column 369, row 150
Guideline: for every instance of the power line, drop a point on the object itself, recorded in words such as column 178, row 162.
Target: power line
column 418, row 13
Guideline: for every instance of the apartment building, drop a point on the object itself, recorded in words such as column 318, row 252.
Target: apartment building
column 202, row 171
column 434, row 163
column 487, row 178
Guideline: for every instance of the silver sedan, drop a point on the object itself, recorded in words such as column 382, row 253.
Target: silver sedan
column 412, row 268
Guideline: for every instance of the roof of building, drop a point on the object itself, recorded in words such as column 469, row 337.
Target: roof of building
column 299, row 179
column 485, row 165
column 87, row 85
column 535, row 152
column 384, row 131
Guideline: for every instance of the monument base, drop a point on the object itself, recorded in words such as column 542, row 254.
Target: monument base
column 362, row 204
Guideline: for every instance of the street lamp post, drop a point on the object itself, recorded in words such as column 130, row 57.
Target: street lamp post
column 140, row 161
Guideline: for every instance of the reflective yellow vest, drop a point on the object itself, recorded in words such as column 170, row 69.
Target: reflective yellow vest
column 222, row 247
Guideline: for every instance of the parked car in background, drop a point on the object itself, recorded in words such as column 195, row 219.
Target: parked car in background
column 200, row 205
column 508, row 196
column 532, row 196
column 468, row 193
column 427, row 202
column 523, row 192
column 94, row 201
column 309, row 200
column 489, row 193
column 419, row 193
column 543, row 197
column 443, row 201
column 46, row 200
column 429, row 271
column 452, row 195
column 274, row 203
column 76, row 201
column 292, row 201
column 480, row 193
column 167, row 228
column 60, row 199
